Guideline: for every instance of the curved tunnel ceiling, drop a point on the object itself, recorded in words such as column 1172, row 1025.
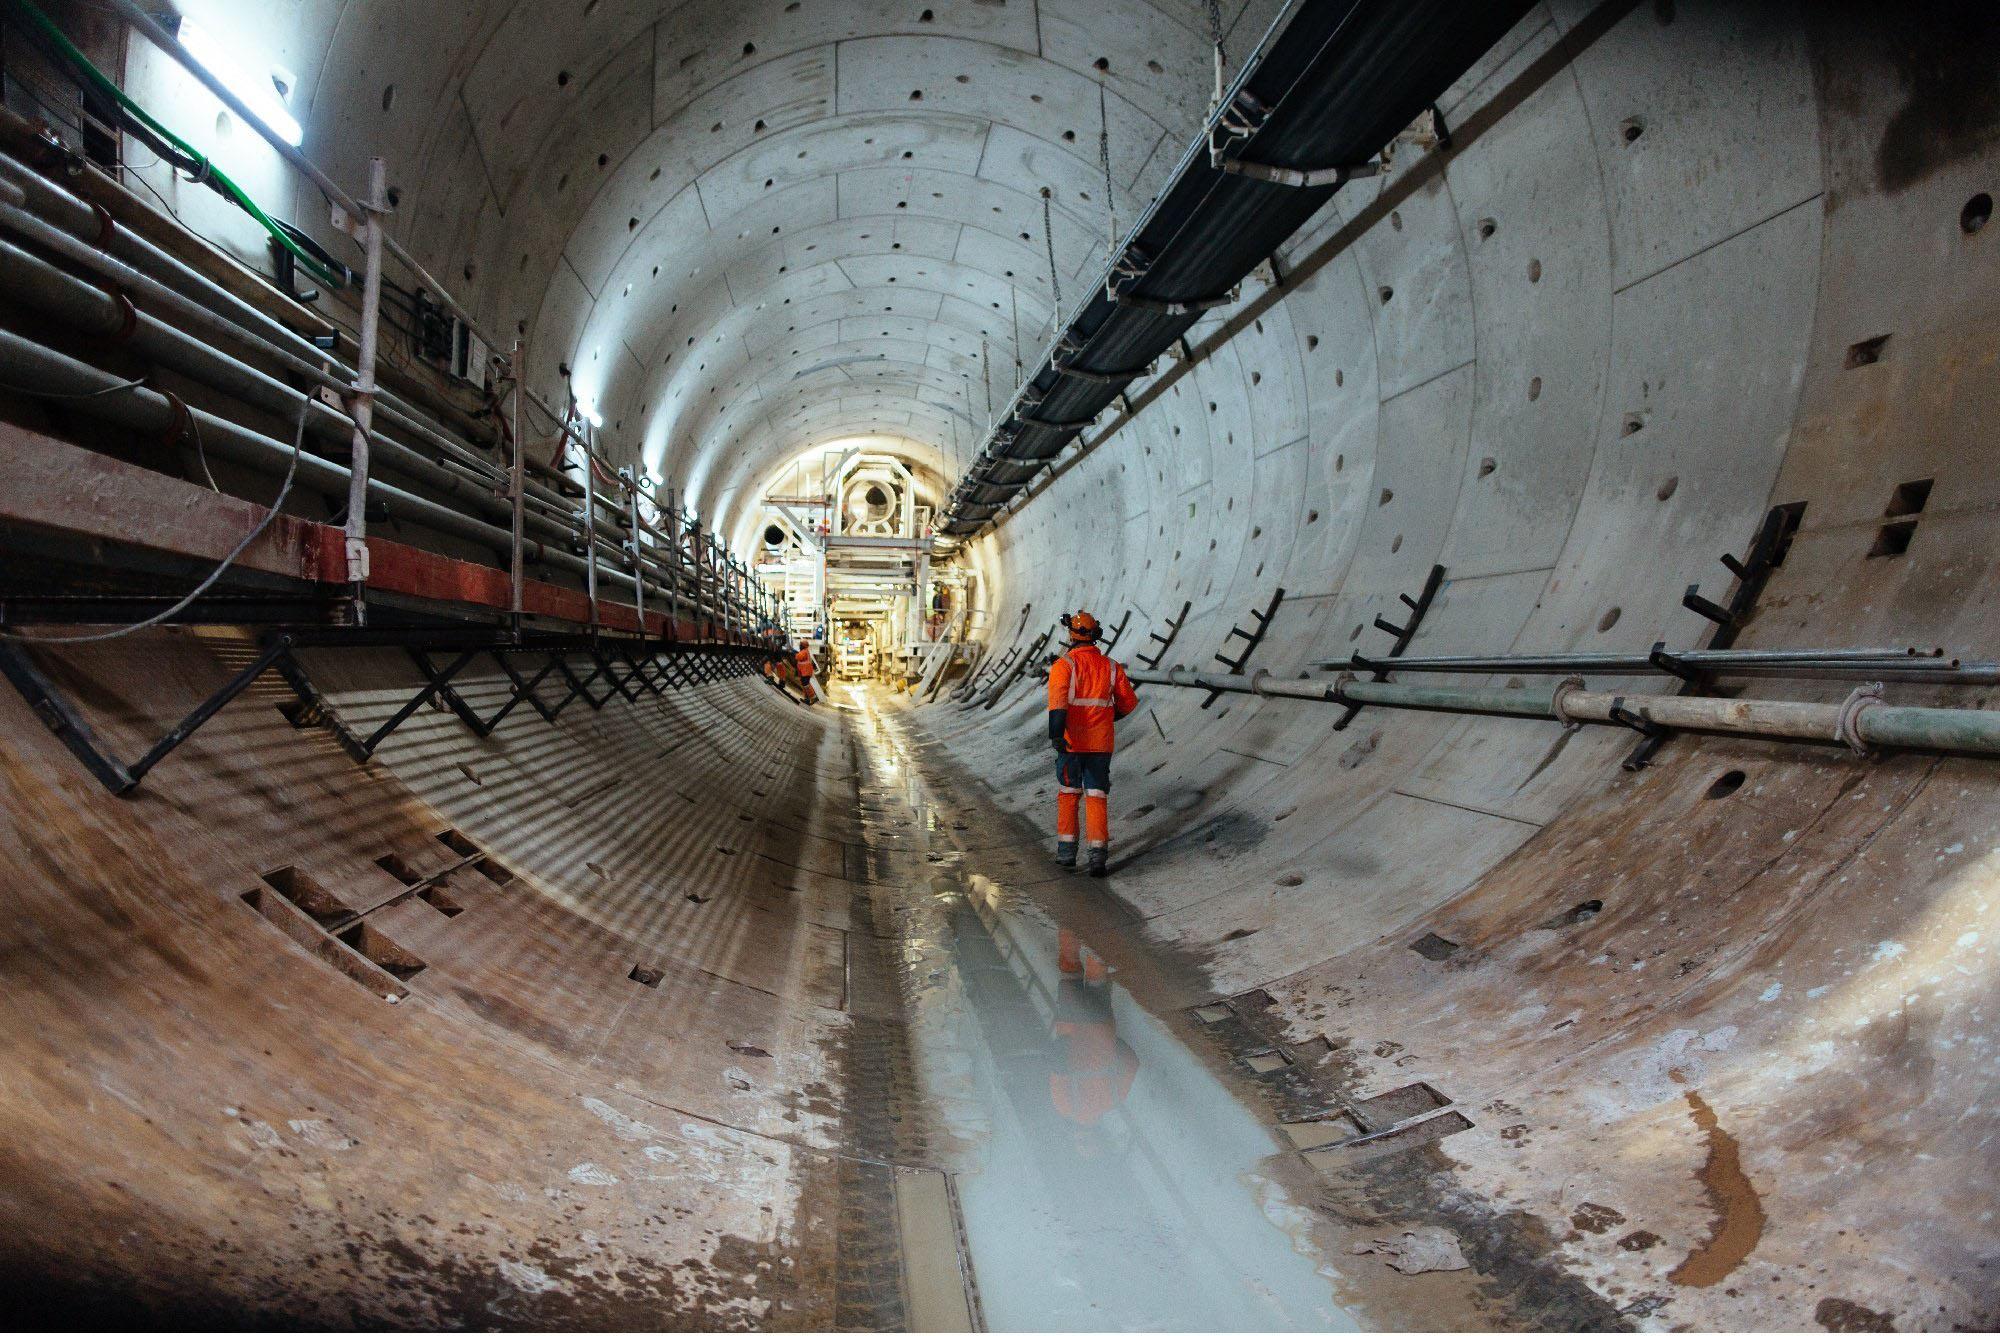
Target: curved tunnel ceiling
column 752, row 228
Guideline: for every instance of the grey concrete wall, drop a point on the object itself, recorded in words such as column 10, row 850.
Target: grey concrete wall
column 1572, row 362
column 1573, row 365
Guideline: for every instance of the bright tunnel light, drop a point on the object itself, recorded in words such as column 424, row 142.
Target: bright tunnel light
column 257, row 91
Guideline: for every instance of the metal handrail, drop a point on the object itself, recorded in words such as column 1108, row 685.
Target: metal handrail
column 364, row 222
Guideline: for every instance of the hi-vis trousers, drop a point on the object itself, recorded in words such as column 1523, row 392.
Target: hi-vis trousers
column 1085, row 776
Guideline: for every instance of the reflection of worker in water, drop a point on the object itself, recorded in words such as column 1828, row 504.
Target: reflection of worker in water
column 1097, row 1067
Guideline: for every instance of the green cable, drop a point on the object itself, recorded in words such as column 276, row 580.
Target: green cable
column 235, row 193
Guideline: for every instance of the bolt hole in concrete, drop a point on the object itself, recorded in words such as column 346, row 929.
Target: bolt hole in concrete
column 1865, row 353
column 1107, row 1178
column 1978, row 212
column 1433, row 947
column 1569, row 918
column 1725, row 784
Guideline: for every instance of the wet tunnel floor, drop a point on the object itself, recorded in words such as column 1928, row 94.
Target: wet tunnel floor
column 1106, row 1177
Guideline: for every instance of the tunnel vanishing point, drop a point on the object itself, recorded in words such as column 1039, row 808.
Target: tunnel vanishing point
column 1536, row 461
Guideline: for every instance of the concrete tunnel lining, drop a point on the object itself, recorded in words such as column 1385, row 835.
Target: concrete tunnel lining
column 1702, row 1045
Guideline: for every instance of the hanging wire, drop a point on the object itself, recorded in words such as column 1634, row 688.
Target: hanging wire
column 1049, row 236
column 1104, row 157
column 271, row 513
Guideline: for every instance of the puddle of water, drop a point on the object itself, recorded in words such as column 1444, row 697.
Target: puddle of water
column 1111, row 1181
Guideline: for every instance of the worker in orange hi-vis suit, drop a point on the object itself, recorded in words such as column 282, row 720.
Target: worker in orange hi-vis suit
column 806, row 670
column 1088, row 693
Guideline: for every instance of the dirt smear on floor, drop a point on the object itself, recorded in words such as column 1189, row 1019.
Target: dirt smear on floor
column 1739, row 1211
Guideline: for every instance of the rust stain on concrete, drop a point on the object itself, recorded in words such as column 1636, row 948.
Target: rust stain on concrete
column 1739, row 1212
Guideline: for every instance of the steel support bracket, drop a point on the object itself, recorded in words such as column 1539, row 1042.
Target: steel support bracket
column 1251, row 640
column 1404, row 634
column 1752, row 572
column 1151, row 662
column 63, row 719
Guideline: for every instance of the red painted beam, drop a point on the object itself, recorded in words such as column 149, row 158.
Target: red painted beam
column 53, row 485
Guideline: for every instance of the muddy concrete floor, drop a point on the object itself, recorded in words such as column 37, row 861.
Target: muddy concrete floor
column 711, row 1011
column 1126, row 1150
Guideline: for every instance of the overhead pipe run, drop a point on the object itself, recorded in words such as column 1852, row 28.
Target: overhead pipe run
column 732, row 588
column 1335, row 83
column 1861, row 722
column 47, row 217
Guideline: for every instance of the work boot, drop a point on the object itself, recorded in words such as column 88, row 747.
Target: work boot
column 1065, row 853
column 1097, row 868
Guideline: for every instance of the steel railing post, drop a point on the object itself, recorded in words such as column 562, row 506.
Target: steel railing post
column 516, row 477
column 360, row 399
column 638, row 548
column 590, row 527
column 698, row 561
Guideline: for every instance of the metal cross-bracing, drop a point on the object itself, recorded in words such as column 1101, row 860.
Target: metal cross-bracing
column 624, row 666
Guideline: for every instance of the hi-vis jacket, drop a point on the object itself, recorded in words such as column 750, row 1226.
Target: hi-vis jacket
column 1092, row 691
column 805, row 662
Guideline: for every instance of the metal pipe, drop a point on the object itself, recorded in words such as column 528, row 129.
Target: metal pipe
column 100, row 394
column 46, row 288
column 1908, row 664
column 190, row 312
column 638, row 552
column 69, row 226
column 80, row 220
column 168, row 43
column 1861, row 721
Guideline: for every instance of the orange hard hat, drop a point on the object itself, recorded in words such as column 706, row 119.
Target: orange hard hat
column 1083, row 626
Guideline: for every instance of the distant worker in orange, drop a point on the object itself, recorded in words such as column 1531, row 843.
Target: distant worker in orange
column 806, row 670
column 1088, row 693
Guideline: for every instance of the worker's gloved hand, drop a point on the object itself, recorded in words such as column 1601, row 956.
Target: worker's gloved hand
column 1057, row 743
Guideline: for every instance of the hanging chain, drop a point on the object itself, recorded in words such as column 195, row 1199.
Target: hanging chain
column 1215, row 40
column 986, row 379
column 1049, row 236
column 1014, row 309
column 1104, row 157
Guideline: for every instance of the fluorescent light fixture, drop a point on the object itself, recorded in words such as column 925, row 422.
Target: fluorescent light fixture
column 257, row 91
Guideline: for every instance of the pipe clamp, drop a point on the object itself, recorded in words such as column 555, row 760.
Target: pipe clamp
column 1558, row 703
column 1846, row 728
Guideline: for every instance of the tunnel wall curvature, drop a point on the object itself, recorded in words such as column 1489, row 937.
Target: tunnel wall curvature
column 1573, row 364
column 544, row 1028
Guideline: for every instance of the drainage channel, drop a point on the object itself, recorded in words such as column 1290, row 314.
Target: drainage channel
column 1105, row 1178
